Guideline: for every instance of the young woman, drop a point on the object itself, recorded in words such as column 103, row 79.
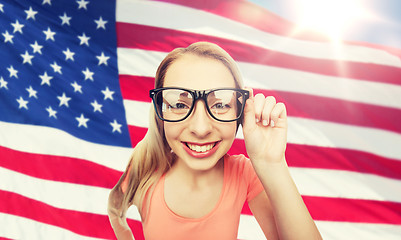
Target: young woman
column 180, row 176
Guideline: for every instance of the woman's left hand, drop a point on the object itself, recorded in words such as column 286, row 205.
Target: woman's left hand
column 265, row 129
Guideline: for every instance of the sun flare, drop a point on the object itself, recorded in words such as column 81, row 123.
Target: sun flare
column 331, row 17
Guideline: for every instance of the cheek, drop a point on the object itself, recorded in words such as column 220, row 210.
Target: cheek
column 228, row 130
column 171, row 132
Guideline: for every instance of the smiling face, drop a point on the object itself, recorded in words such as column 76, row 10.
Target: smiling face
column 199, row 141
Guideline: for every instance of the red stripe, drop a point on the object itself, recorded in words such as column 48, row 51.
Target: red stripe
column 349, row 210
column 87, row 224
column 317, row 157
column 307, row 156
column 165, row 40
column 56, row 168
column 328, row 109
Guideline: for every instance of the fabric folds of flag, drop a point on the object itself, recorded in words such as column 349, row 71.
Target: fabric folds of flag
column 74, row 100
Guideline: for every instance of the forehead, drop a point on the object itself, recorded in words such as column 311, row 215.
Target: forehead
column 199, row 73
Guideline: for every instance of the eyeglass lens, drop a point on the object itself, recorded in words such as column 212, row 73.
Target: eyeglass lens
column 176, row 104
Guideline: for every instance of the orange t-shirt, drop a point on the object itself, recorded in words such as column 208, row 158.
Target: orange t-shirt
column 240, row 184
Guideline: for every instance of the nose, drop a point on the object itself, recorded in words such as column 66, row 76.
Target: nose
column 200, row 121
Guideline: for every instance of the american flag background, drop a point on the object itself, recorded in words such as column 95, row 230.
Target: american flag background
column 74, row 82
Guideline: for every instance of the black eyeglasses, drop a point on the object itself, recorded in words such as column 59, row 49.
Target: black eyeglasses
column 176, row 104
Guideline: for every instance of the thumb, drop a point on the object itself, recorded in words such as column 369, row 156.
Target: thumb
column 249, row 121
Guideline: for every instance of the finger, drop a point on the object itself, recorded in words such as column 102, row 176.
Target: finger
column 270, row 102
column 278, row 114
column 259, row 102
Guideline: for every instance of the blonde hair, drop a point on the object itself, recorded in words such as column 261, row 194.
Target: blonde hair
column 152, row 156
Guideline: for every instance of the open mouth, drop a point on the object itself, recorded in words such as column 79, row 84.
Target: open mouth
column 200, row 148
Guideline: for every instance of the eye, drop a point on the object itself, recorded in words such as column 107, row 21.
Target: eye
column 179, row 106
column 221, row 106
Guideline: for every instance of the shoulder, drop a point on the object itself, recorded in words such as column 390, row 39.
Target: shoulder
column 239, row 165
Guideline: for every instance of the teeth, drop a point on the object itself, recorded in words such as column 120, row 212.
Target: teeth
column 198, row 148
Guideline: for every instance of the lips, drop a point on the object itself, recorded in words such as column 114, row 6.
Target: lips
column 201, row 150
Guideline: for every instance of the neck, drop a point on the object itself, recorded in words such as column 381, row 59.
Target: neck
column 196, row 178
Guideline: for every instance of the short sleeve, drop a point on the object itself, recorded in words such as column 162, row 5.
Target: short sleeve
column 254, row 185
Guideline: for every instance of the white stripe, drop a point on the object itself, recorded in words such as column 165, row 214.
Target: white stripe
column 15, row 227
column 311, row 132
column 346, row 231
column 203, row 23
column 52, row 141
column 249, row 229
column 345, row 184
column 144, row 63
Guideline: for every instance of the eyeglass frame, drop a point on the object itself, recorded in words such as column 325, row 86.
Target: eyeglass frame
column 197, row 94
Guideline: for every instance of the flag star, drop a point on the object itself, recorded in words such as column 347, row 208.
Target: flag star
column 30, row 13
column 116, row 126
column 47, row 1
column 1, row 7
column 102, row 59
column 82, row 121
column 3, row 83
column 82, row 4
column 27, row 58
column 84, row 39
column 36, row 47
column 96, row 106
column 17, row 27
column 49, row 34
column 108, row 94
column 32, row 92
column 88, row 74
column 22, row 103
column 65, row 19
column 8, row 37
column 101, row 23
column 63, row 100
column 52, row 112
column 68, row 54
column 56, row 68
column 13, row 72
column 77, row 87
column 45, row 79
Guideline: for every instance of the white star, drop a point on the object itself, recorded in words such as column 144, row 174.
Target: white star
column 22, row 103
column 65, row 19
column 36, row 47
column 116, row 126
column 45, row 79
column 96, row 106
column 8, row 37
column 84, row 39
column 82, row 120
column 47, row 1
column 68, row 54
column 56, row 68
column 102, row 59
column 30, row 13
column 63, row 100
column 3, row 83
column 88, row 74
column 27, row 58
column 1, row 7
column 77, row 87
column 17, row 27
column 13, row 72
column 32, row 92
column 108, row 94
column 52, row 113
column 82, row 4
column 49, row 34
column 101, row 23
